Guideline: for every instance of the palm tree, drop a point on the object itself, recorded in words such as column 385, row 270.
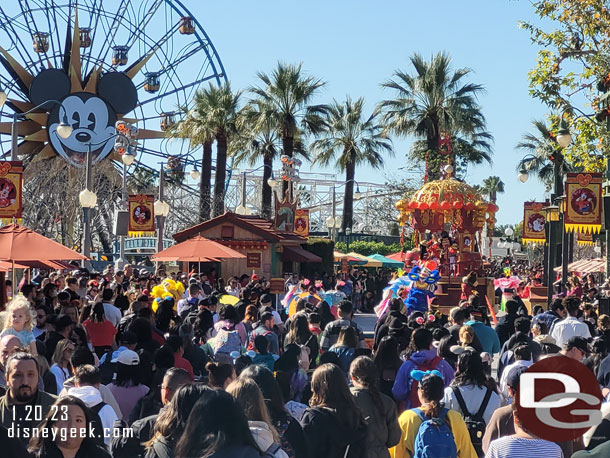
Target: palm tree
column 353, row 140
column 492, row 186
column 287, row 94
column 435, row 101
column 194, row 127
column 544, row 154
column 258, row 138
column 217, row 110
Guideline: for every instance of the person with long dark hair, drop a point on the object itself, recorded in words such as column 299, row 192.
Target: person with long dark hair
column 165, row 314
column 217, row 427
column 383, row 431
column 101, row 331
column 333, row 424
column 387, row 361
column 430, row 391
column 55, row 438
column 422, row 356
column 291, row 434
column 301, row 335
column 471, row 392
column 172, row 420
column 126, row 388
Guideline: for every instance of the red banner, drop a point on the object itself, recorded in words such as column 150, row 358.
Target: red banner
column 301, row 223
column 583, row 204
column 141, row 214
column 584, row 239
column 11, row 185
column 533, row 222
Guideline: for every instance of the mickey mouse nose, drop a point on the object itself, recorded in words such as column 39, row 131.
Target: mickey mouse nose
column 83, row 137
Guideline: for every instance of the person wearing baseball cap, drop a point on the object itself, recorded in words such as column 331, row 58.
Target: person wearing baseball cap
column 576, row 348
column 127, row 341
column 126, row 387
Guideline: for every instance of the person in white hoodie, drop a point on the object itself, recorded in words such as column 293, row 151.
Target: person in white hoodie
column 249, row 396
column 87, row 380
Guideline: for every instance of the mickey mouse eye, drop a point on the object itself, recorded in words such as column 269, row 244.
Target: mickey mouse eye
column 76, row 120
column 91, row 120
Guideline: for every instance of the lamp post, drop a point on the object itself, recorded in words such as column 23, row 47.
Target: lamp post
column 161, row 210
column 63, row 130
column 127, row 159
column 553, row 211
column 348, row 233
column 88, row 200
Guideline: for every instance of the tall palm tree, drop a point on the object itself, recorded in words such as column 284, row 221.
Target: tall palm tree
column 492, row 186
column 433, row 101
column 287, row 94
column 258, row 138
column 353, row 140
column 199, row 133
column 217, row 109
column 545, row 153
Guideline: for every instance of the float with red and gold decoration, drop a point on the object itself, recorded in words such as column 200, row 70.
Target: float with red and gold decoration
column 448, row 217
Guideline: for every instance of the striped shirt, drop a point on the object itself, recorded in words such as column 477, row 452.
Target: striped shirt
column 521, row 447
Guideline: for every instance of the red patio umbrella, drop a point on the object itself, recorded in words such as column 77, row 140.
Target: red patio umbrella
column 18, row 244
column 197, row 249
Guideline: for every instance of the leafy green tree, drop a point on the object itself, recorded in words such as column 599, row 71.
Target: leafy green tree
column 217, row 111
column 194, row 127
column 544, row 153
column 351, row 139
column 492, row 186
column 574, row 37
column 285, row 102
column 436, row 101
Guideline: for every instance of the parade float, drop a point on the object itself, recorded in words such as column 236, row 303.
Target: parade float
column 448, row 218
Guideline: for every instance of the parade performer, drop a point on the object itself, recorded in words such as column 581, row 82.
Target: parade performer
column 424, row 279
column 167, row 288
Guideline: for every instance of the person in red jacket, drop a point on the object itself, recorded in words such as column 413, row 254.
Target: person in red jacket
column 176, row 344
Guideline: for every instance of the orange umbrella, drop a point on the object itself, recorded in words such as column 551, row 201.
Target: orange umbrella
column 6, row 266
column 197, row 249
column 20, row 244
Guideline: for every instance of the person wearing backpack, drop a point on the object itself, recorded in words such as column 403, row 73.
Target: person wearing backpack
column 432, row 431
column 472, row 396
column 265, row 328
column 421, row 355
column 87, row 380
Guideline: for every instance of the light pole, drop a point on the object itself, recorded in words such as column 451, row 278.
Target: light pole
column 552, row 211
column 348, row 233
column 63, row 130
column 88, row 198
column 161, row 210
column 242, row 208
column 127, row 159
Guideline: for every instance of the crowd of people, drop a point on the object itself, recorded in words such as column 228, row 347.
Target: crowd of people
column 193, row 374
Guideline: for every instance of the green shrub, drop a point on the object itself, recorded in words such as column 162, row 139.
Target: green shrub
column 368, row 248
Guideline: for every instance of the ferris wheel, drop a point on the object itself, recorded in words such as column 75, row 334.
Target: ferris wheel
column 91, row 63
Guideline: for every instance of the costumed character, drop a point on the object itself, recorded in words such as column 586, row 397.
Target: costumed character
column 167, row 288
column 424, row 279
column 398, row 287
column 453, row 253
column 433, row 248
column 333, row 297
column 508, row 286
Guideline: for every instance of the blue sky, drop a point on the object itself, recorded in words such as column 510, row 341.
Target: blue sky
column 356, row 45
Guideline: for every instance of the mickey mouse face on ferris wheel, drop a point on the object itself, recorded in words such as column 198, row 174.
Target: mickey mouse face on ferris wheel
column 92, row 116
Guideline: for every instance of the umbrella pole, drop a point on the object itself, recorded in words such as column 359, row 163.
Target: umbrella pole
column 13, row 285
column 198, row 267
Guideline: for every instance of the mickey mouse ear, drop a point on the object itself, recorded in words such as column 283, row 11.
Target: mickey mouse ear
column 118, row 90
column 49, row 84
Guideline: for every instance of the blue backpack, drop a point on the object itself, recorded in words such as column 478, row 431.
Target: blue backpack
column 434, row 438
